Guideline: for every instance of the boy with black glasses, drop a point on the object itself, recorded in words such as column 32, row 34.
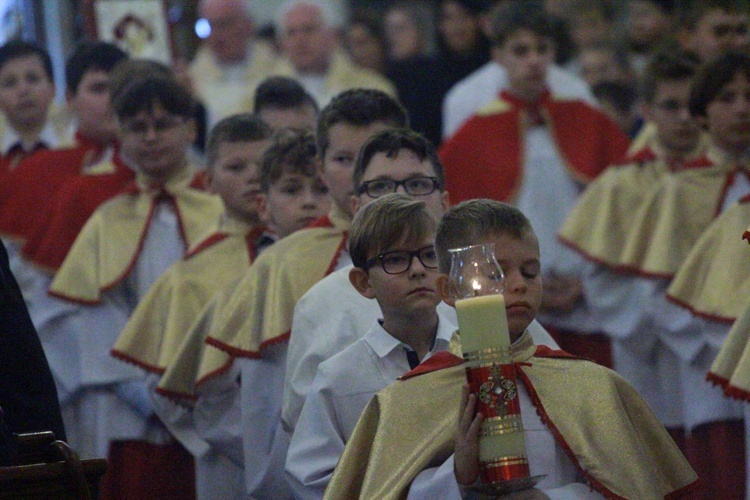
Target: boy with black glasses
column 391, row 243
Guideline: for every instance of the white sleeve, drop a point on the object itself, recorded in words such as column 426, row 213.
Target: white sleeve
column 264, row 441
column 77, row 340
column 319, row 331
column 619, row 303
column 177, row 419
column 440, row 482
column 303, row 358
column 317, row 443
column 217, row 415
column 677, row 327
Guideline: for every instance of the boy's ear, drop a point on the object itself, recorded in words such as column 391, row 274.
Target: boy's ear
column 445, row 200
column 360, row 280
column 444, row 290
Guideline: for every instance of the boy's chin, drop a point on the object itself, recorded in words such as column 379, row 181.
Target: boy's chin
column 516, row 328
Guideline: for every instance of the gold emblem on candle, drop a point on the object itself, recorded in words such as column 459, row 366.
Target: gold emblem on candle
column 497, row 392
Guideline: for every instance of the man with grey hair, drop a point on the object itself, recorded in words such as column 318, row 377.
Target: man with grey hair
column 310, row 45
column 229, row 65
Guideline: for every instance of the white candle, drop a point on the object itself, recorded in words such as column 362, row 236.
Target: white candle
column 482, row 323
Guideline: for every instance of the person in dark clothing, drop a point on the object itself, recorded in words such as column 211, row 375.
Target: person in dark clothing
column 28, row 396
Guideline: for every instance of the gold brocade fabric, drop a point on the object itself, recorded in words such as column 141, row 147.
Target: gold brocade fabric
column 673, row 216
column 195, row 361
column 342, row 75
column 156, row 328
column 646, row 138
column 618, row 443
column 731, row 368
column 104, row 167
column 714, row 281
column 109, row 243
column 607, row 213
column 601, row 221
column 259, row 313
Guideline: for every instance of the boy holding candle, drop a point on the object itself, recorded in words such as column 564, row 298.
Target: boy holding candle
column 391, row 243
column 585, row 427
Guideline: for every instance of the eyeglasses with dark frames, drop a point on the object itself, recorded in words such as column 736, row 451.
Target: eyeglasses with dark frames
column 399, row 261
column 414, row 186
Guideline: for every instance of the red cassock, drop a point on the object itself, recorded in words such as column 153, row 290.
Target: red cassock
column 484, row 159
column 76, row 200
column 29, row 190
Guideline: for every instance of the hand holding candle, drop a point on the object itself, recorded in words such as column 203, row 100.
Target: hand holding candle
column 477, row 283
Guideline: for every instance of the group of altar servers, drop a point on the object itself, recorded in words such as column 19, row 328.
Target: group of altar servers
column 217, row 330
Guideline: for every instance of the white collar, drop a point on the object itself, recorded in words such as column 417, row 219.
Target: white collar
column 47, row 137
column 383, row 343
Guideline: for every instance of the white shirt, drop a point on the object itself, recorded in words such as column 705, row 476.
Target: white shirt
column 483, row 86
column 329, row 317
column 344, row 385
column 47, row 137
column 104, row 399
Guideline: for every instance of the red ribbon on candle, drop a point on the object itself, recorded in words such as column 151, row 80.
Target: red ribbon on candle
column 496, row 389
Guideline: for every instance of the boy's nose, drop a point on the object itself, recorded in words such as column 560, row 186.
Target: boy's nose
column 416, row 267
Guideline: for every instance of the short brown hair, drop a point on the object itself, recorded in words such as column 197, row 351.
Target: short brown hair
column 470, row 222
column 291, row 151
column 666, row 67
column 236, row 128
column 383, row 222
column 713, row 77
column 391, row 142
column 507, row 18
column 358, row 108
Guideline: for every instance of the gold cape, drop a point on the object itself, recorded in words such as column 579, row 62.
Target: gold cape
column 342, row 74
column 731, row 368
column 596, row 417
column 108, row 246
column 195, row 361
column 259, row 313
column 158, row 325
column 714, row 281
column 674, row 215
column 606, row 213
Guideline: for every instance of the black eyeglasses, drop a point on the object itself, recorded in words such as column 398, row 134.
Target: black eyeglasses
column 399, row 261
column 415, row 186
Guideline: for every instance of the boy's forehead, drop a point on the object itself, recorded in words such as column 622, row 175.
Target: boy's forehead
column 25, row 62
column 526, row 36
column 343, row 135
column 408, row 241
column 504, row 241
column 251, row 149
column 671, row 88
column 405, row 163
column 154, row 110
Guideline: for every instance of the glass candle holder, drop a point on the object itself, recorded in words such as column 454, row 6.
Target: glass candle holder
column 477, row 283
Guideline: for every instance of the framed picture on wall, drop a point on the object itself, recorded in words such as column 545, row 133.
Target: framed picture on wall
column 139, row 27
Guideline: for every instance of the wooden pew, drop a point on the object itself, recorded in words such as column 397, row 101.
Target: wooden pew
column 49, row 468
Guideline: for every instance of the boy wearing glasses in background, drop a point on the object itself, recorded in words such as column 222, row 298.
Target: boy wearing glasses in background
column 332, row 314
column 391, row 243
column 124, row 247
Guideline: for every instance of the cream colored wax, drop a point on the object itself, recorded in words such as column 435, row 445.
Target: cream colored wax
column 482, row 323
